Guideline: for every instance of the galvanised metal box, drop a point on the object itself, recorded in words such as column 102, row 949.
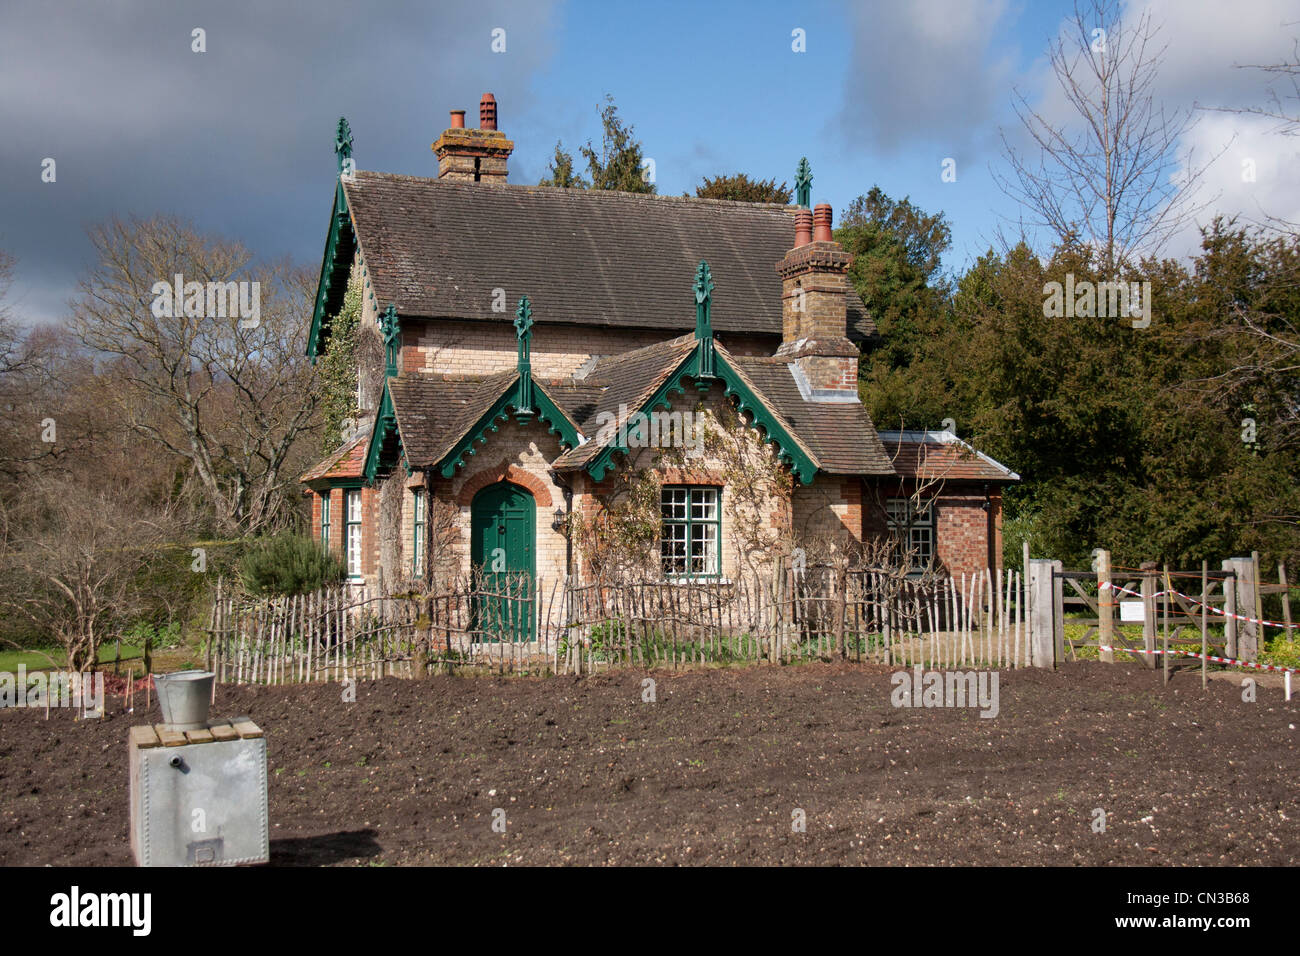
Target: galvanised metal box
column 199, row 797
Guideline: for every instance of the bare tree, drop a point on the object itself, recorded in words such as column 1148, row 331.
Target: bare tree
column 24, row 381
column 1282, row 106
column 230, row 394
column 1282, row 97
column 71, row 560
column 1106, row 178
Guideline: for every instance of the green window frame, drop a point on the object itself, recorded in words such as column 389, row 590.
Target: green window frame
column 418, row 522
column 690, row 537
column 352, row 531
column 325, row 520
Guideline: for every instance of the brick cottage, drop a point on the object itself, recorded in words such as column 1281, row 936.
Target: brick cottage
column 574, row 380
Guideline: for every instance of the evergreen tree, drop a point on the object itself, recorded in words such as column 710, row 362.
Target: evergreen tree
column 562, row 173
column 740, row 187
column 620, row 163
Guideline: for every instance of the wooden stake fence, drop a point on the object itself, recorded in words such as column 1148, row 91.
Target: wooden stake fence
column 516, row 624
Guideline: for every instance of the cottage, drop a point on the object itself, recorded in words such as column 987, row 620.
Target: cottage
column 579, row 382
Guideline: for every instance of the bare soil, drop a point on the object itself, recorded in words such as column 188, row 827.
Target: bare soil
column 711, row 772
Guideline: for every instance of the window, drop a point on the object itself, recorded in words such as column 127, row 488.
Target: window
column 325, row 521
column 352, row 530
column 690, row 531
column 914, row 525
column 417, row 537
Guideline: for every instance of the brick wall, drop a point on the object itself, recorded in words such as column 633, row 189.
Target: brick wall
column 456, row 347
column 828, row 513
column 829, row 510
column 961, row 536
column 839, row 372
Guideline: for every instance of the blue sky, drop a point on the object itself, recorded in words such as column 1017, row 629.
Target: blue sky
column 239, row 138
column 710, row 90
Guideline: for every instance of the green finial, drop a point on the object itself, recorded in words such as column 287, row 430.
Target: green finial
column 343, row 147
column 523, row 330
column 523, row 317
column 803, row 184
column 390, row 329
column 704, row 322
column 703, row 285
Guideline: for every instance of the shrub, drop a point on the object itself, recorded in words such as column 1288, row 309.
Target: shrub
column 288, row 564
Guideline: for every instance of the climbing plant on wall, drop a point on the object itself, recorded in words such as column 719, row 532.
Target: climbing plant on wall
column 338, row 368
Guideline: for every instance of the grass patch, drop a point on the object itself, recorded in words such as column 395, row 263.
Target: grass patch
column 38, row 659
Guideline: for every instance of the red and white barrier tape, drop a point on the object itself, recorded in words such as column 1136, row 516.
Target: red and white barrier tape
column 1209, row 657
column 1107, row 585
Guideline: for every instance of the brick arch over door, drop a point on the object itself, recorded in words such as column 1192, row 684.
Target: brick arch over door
column 504, row 472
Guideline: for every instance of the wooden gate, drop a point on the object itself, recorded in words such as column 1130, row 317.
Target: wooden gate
column 1173, row 610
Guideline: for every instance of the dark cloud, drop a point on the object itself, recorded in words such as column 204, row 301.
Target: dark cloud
column 238, row 138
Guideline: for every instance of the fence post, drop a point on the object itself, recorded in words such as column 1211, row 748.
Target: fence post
column 1105, row 607
column 1042, row 614
column 1149, row 614
column 1244, row 635
column 1286, row 601
column 1229, row 610
column 1058, row 604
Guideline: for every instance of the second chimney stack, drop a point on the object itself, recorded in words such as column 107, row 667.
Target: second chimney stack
column 474, row 155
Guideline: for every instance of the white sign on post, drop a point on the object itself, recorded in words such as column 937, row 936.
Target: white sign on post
column 1131, row 612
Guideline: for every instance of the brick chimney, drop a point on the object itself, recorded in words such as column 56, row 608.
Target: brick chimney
column 474, row 155
column 814, row 283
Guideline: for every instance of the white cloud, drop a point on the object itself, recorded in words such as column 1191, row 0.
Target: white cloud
column 924, row 72
column 1207, row 49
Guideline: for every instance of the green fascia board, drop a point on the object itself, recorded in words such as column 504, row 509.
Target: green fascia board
column 788, row 450
column 556, row 421
column 340, row 233
column 385, row 425
column 545, row 410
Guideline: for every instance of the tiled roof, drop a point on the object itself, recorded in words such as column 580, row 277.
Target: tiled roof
column 434, row 412
column 345, row 462
column 840, row 434
column 941, row 455
column 438, row 249
column 627, row 379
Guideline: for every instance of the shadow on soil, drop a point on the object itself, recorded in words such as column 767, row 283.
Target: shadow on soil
column 324, row 849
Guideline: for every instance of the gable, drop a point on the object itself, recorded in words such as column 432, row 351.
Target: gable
column 437, row 423
column 336, row 264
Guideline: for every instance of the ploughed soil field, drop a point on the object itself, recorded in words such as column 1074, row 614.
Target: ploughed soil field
column 712, row 772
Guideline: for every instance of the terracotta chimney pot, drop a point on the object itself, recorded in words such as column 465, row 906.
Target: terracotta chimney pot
column 822, row 223
column 803, row 227
column 457, row 119
column 487, row 112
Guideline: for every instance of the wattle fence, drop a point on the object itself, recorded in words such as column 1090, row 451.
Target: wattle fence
column 525, row 625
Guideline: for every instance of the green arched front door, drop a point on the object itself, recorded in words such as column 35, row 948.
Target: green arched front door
column 503, row 521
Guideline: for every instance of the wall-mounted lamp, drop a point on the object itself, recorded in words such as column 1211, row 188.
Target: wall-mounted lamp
column 558, row 522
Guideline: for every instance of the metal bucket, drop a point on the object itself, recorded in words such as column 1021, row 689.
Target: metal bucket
column 185, row 698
